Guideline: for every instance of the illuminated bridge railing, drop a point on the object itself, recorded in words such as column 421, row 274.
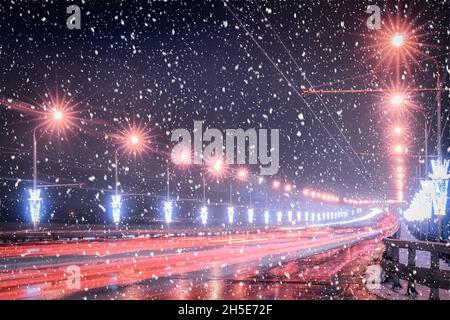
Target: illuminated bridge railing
column 432, row 277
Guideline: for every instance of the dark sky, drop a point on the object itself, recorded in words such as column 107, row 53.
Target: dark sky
column 164, row 64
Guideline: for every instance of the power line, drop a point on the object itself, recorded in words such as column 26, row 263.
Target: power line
column 292, row 86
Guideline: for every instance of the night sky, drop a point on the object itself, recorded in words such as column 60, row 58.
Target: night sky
column 164, row 64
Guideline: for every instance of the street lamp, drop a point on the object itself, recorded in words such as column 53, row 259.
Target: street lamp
column 180, row 158
column 134, row 140
column 54, row 119
column 216, row 167
column 240, row 175
column 398, row 149
column 397, row 40
column 398, row 130
column 398, row 99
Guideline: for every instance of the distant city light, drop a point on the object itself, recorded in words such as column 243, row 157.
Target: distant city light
column 288, row 187
column 275, row 184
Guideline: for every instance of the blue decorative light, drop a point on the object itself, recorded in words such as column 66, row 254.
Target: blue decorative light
column 251, row 214
column 204, row 214
column 279, row 216
column 440, row 177
column 168, row 210
column 230, row 211
column 116, row 204
column 266, row 217
column 35, row 205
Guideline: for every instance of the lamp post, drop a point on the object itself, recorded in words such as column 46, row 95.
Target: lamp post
column 133, row 141
column 240, row 175
column 116, row 202
column 216, row 167
column 180, row 157
column 55, row 118
column 168, row 206
column 204, row 208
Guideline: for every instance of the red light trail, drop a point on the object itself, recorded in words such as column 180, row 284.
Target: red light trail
column 122, row 262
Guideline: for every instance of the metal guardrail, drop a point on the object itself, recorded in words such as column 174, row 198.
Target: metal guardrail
column 431, row 277
column 105, row 234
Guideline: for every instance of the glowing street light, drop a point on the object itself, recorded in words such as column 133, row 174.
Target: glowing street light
column 182, row 157
column 275, row 184
column 242, row 174
column 398, row 149
column 397, row 40
column 134, row 140
column 216, row 166
column 398, row 100
column 398, row 130
column 58, row 115
column 287, row 187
